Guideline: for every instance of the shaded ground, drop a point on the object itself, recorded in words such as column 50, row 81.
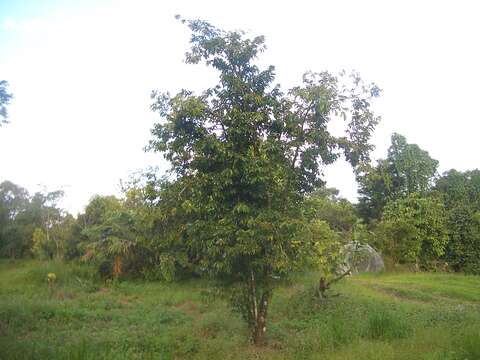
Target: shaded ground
column 387, row 316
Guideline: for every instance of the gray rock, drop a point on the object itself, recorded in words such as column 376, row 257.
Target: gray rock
column 361, row 258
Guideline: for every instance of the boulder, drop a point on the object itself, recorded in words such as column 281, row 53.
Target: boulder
column 361, row 258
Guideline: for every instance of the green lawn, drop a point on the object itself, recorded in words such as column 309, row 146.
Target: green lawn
column 387, row 316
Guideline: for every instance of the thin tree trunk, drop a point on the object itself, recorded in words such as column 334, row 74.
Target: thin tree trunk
column 58, row 251
column 322, row 288
column 117, row 266
column 258, row 311
column 46, row 227
column 253, row 297
column 260, row 327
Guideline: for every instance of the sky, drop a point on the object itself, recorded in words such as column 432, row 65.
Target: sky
column 82, row 73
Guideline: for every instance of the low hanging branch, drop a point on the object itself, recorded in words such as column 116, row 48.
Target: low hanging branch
column 324, row 285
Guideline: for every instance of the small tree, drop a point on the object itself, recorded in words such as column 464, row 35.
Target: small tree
column 246, row 153
column 110, row 233
column 42, row 247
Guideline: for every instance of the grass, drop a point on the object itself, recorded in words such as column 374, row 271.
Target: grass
column 387, row 316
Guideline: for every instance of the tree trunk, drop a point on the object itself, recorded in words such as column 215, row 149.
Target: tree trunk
column 260, row 327
column 258, row 312
column 117, row 266
column 322, row 287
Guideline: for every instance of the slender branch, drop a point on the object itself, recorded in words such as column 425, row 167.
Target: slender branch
column 338, row 278
column 304, row 117
column 323, row 285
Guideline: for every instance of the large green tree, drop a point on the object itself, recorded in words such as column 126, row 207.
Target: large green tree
column 14, row 235
column 246, row 152
column 407, row 169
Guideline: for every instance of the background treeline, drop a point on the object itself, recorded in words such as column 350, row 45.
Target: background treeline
column 405, row 210
column 419, row 217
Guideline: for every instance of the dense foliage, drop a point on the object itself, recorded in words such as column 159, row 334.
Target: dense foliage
column 461, row 194
column 407, row 169
column 414, row 229
column 32, row 224
column 416, row 216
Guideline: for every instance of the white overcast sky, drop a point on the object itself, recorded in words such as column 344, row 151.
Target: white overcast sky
column 82, row 72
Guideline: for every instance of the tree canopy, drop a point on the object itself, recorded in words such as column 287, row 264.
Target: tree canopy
column 20, row 216
column 407, row 170
column 245, row 151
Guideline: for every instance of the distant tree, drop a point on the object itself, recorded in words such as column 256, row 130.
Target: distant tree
column 13, row 200
column 461, row 195
column 246, row 153
column 99, row 208
column 339, row 213
column 15, row 233
column 412, row 169
column 110, row 235
column 69, row 231
column 407, row 169
column 112, row 241
column 42, row 248
column 460, row 187
column 5, row 98
column 463, row 250
column 21, row 214
column 415, row 229
column 52, row 218
column 166, row 224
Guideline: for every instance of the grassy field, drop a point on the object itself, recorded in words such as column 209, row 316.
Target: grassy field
column 387, row 316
